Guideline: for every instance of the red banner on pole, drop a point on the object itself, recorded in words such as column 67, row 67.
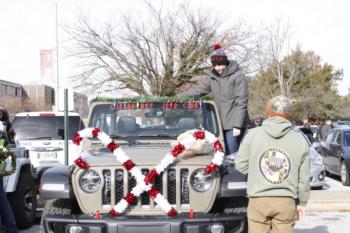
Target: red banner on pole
column 46, row 63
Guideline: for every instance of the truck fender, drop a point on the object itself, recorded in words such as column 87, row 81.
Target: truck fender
column 55, row 183
column 23, row 165
column 233, row 184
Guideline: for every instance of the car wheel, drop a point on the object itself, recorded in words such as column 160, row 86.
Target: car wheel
column 23, row 201
column 61, row 206
column 344, row 174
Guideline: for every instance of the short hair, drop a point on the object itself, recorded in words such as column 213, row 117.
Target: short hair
column 281, row 105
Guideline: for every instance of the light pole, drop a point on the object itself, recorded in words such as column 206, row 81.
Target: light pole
column 57, row 67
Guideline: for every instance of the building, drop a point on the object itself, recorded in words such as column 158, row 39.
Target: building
column 81, row 104
column 41, row 97
column 37, row 97
column 11, row 96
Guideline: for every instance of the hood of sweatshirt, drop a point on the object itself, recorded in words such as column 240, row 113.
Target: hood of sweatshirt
column 276, row 127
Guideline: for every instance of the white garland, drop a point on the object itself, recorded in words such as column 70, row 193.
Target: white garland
column 169, row 158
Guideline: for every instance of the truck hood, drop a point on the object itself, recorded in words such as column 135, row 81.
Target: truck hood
column 143, row 155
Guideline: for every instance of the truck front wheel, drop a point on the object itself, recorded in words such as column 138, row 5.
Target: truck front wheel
column 23, row 201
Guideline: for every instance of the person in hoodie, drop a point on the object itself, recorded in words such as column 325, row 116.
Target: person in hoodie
column 276, row 158
column 229, row 87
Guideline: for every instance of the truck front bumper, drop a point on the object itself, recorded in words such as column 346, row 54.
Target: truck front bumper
column 201, row 223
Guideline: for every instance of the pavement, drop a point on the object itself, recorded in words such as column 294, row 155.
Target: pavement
column 337, row 200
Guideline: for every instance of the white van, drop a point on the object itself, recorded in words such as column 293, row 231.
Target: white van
column 42, row 133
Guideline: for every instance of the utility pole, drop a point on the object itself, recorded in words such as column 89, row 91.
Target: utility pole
column 57, row 67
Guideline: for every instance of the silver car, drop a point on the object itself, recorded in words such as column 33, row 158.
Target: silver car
column 317, row 170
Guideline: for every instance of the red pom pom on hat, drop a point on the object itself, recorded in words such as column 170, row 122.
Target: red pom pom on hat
column 217, row 46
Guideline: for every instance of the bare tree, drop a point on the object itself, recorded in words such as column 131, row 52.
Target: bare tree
column 274, row 47
column 156, row 55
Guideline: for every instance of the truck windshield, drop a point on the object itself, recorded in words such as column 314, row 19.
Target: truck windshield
column 45, row 127
column 153, row 119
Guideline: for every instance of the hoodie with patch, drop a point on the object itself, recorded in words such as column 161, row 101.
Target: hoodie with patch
column 276, row 158
column 230, row 92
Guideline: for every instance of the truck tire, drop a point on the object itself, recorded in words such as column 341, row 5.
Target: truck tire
column 59, row 206
column 23, row 201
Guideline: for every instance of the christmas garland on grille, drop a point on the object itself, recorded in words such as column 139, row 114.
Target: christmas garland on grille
column 145, row 183
column 4, row 154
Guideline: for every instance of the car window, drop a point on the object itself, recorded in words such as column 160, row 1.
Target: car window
column 336, row 137
column 51, row 127
column 347, row 138
column 330, row 137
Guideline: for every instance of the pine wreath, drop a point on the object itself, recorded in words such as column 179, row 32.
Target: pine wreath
column 4, row 154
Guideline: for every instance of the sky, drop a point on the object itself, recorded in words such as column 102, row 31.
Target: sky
column 26, row 26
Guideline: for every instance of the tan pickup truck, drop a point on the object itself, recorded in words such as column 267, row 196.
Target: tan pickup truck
column 81, row 199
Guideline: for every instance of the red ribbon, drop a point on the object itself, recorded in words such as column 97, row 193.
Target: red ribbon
column 77, row 139
column 81, row 163
column 151, row 176
column 129, row 164
column 130, row 198
column 172, row 212
column 153, row 192
column 95, row 132
column 199, row 135
column 177, row 150
column 113, row 213
column 112, row 146
column 217, row 146
column 210, row 168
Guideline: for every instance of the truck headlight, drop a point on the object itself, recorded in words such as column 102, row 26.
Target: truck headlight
column 89, row 181
column 200, row 181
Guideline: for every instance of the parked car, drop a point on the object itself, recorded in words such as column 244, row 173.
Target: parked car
column 42, row 133
column 317, row 169
column 336, row 153
column 20, row 190
column 340, row 124
column 145, row 129
column 16, row 174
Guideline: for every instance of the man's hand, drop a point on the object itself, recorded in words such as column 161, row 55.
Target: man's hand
column 236, row 132
column 300, row 212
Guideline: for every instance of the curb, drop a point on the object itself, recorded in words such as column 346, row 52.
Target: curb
column 328, row 206
column 329, row 201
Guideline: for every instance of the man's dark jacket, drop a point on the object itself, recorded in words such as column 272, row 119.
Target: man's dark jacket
column 230, row 91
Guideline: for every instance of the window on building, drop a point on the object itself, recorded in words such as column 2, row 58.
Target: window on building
column 18, row 92
column 52, row 96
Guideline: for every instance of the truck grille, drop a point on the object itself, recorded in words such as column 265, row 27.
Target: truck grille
column 169, row 183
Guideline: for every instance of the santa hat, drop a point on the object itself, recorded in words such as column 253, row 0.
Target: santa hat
column 218, row 56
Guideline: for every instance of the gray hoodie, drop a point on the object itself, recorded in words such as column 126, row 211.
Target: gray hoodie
column 276, row 158
column 230, row 91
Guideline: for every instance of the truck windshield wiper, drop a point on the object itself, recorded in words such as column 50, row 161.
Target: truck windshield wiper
column 164, row 135
column 38, row 138
column 161, row 135
column 129, row 139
